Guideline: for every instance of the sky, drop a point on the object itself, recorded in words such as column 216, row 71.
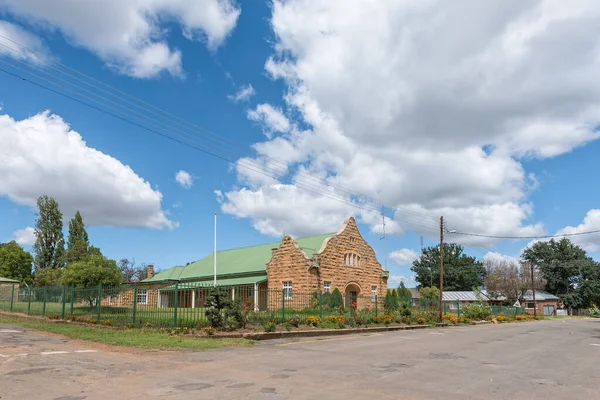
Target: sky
column 286, row 117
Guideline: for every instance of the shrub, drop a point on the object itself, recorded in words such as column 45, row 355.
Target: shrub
column 237, row 312
column 217, row 300
column 270, row 327
column 594, row 311
column 336, row 300
column 53, row 316
column 362, row 317
column 377, row 319
column 477, row 312
column 312, row 320
column 210, row 331
column 295, row 321
column 429, row 293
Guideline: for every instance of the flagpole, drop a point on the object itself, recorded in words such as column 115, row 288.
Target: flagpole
column 215, row 254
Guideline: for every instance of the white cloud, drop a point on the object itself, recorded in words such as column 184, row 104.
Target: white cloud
column 130, row 35
column 25, row 237
column 184, row 179
column 42, row 155
column 394, row 280
column 35, row 49
column 494, row 257
column 404, row 256
column 271, row 119
column 243, row 94
column 413, row 105
column 591, row 222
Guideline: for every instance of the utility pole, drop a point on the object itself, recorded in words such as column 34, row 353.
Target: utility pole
column 533, row 291
column 384, row 237
column 441, row 267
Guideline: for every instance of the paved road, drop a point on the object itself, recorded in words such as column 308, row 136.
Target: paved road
column 556, row 359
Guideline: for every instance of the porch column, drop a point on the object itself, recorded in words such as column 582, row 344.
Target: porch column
column 159, row 305
column 232, row 293
column 256, row 297
column 193, row 298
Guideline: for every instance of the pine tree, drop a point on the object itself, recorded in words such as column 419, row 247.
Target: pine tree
column 49, row 247
column 77, row 247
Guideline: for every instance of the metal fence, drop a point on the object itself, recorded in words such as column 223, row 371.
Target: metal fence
column 183, row 304
column 176, row 304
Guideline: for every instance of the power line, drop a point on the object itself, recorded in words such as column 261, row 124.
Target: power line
column 525, row 237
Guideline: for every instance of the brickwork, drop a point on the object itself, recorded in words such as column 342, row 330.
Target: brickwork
column 345, row 259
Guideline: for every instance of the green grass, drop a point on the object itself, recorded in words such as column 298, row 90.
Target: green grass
column 144, row 339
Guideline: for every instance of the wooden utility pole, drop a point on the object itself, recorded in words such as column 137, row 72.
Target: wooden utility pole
column 533, row 291
column 441, row 267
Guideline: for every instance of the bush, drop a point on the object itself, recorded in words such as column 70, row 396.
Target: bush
column 237, row 312
column 594, row 311
column 209, row 331
column 270, row 327
column 312, row 320
column 336, row 300
column 295, row 321
column 477, row 312
column 217, row 300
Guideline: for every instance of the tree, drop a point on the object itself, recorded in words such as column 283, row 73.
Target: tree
column 429, row 293
column 403, row 293
column 461, row 271
column 77, row 245
column 15, row 263
column 336, row 300
column 132, row 272
column 509, row 279
column 49, row 247
column 90, row 272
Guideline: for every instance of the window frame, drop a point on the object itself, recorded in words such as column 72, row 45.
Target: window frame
column 529, row 303
column 373, row 292
column 326, row 286
column 143, row 292
column 287, row 289
column 352, row 260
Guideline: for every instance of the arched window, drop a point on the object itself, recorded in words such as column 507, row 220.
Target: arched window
column 352, row 260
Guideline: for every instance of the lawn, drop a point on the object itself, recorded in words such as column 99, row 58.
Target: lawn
column 144, row 339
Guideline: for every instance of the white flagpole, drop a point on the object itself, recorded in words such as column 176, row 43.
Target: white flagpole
column 215, row 254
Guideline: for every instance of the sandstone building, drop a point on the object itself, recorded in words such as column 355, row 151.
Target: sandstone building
column 288, row 271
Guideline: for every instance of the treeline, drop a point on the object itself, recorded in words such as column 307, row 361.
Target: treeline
column 55, row 262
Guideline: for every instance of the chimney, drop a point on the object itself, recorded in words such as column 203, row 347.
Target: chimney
column 150, row 271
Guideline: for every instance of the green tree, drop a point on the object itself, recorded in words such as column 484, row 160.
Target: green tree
column 336, row 300
column 461, row 271
column 49, row 247
column 567, row 269
column 48, row 276
column 77, row 245
column 403, row 293
column 15, row 263
column 91, row 271
column 429, row 293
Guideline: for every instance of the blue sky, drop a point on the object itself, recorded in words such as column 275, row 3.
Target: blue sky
column 452, row 120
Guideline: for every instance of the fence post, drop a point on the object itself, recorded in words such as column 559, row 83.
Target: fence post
column 29, row 301
column 134, row 302
column 376, row 303
column 99, row 299
column 12, row 298
column 458, row 307
column 320, row 304
column 282, row 305
column 72, row 298
column 64, row 299
column 44, row 300
column 176, row 304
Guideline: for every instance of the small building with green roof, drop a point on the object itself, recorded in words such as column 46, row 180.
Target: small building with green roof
column 342, row 260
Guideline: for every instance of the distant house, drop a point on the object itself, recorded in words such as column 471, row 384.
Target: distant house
column 7, row 286
column 547, row 303
column 8, row 282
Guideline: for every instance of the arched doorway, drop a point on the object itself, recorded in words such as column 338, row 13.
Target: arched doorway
column 351, row 294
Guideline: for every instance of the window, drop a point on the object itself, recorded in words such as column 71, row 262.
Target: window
column 327, row 286
column 142, row 296
column 352, row 260
column 287, row 290
column 351, row 240
column 529, row 305
column 373, row 292
column 111, row 300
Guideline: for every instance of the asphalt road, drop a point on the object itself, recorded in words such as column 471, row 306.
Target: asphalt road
column 556, row 359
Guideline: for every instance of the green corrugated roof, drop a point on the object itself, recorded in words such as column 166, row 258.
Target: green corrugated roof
column 6, row 280
column 242, row 260
column 247, row 280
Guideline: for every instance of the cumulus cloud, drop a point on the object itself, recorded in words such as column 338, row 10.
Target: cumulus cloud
column 35, row 49
column 133, row 43
column 271, row 118
column 243, row 94
column 42, row 155
column 25, row 237
column 589, row 242
column 404, row 256
column 432, row 113
column 184, row 179
column 409, row 281
column 498, row 258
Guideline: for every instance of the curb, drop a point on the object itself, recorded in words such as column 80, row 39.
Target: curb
column 326, row 332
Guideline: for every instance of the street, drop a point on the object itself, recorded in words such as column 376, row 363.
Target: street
column 553, row 359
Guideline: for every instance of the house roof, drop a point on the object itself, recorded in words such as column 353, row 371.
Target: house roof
column 6, row 280
column 414, row 293
column 247, row 280
column 462, row 296
column 242, row 260
column 539, row 295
